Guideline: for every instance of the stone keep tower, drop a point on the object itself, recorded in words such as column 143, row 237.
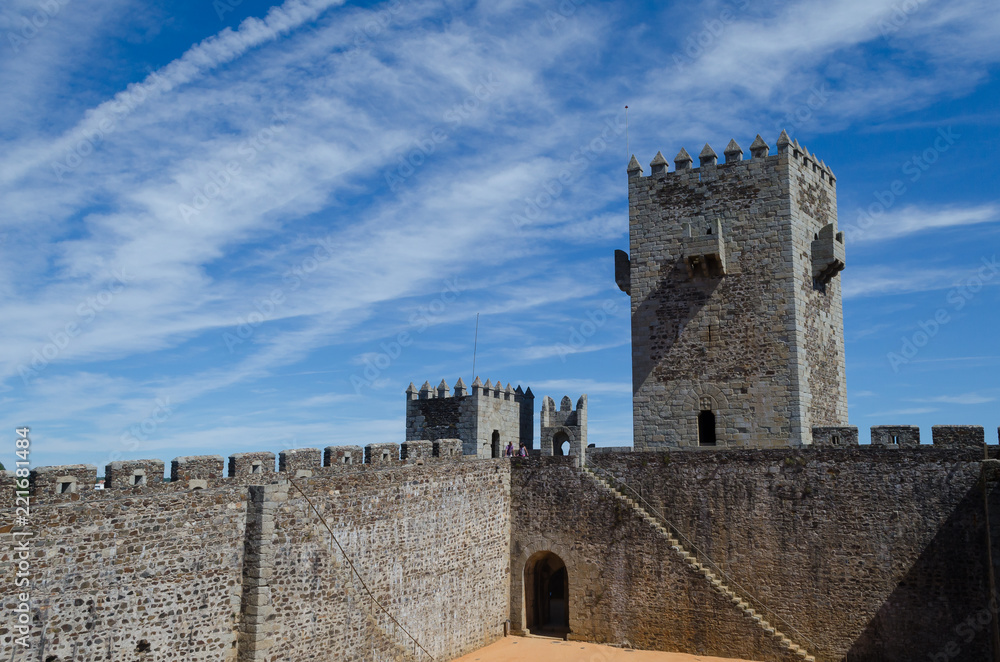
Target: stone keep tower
column 737, row 322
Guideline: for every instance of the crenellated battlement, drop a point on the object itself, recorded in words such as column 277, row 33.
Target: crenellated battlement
column 478, row 389
column 196, row 472
column 708, row 160
column 485, row 416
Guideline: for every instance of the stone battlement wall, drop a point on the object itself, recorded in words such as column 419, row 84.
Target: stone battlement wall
column 170, row 574
column 873, row 552
column 75, row 481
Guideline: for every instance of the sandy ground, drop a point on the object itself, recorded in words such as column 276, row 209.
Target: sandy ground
column 518, row 649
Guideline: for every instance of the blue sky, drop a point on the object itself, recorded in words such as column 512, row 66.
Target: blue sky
column 219, row 217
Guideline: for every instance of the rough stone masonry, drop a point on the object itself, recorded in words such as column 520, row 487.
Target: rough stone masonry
column 737, row 322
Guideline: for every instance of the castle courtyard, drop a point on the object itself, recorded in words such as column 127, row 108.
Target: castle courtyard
column 532, row 649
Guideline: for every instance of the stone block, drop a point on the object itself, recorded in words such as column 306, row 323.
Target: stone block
column 289, row 461
column 417, row 450
column 251, row 464
column 895, row 436
column 382, row 454
column 334, row 455
column 448, row 448
column 203, row 467
column 128, row 474
column 835, row 436
column 959, row 436
column 64, row 479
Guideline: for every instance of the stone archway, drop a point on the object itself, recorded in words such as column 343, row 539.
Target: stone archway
column 546, row 594
column 529, row 552
column 562, row 443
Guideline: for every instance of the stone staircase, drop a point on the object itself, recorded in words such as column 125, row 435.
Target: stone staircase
column 703, row 570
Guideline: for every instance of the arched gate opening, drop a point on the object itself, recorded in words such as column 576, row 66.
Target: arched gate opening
column 546, row 595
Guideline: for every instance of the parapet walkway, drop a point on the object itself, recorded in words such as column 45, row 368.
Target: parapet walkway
column 538, row 649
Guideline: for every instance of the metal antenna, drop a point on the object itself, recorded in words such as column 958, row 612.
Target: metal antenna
column 475, row 345
column 627, row 152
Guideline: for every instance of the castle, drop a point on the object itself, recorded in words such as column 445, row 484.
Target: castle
column 746, row 521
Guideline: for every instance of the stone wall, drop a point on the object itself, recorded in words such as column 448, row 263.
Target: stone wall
column 114, row 572
column 175, row 572
column 625, row 584
column 875, row 553
column 430, row 541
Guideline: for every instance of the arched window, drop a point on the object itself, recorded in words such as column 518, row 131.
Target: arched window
column 495, row 444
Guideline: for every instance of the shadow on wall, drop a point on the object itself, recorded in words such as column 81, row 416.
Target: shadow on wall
column 908, row 627
column 673, row 304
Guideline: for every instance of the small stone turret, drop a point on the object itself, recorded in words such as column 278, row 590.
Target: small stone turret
column 564, row 431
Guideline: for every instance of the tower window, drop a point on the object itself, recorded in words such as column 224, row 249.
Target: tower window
column 706, row 428
column 835, row 440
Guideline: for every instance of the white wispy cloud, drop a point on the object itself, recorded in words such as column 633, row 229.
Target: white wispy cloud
column 972, row 398
column 913, row 411
column 576, row 387
column 914, row 219
column 907, row 279
column 403, row 156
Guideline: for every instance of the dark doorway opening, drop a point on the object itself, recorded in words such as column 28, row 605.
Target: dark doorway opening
column 546, row 595
column 560, row 443
column 495, row 444
column 706, row 428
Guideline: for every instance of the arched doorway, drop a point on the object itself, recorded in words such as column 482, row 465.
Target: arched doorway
column 495, row 444
column 560, row 443
column 546, row 595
